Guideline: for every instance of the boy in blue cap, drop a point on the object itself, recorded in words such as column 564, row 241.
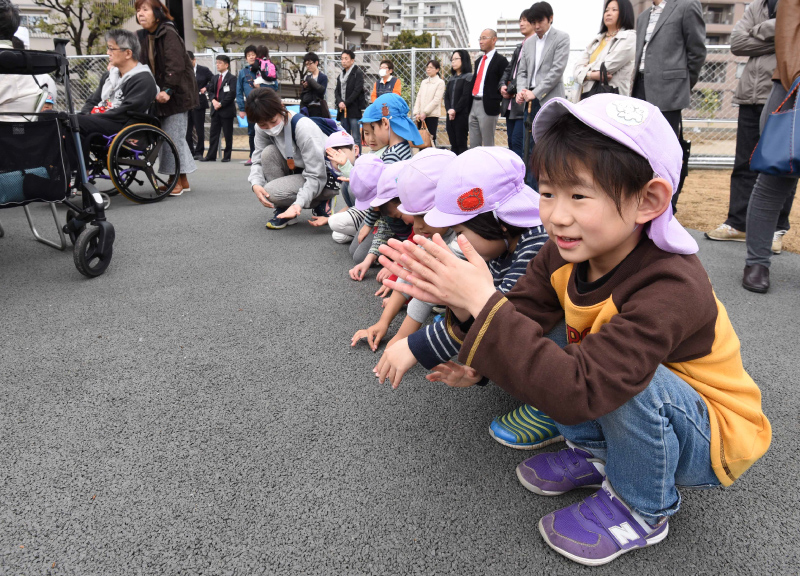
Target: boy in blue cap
column 387, row 124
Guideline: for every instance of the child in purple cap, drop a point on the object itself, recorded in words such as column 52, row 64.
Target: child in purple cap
column 647, row 384
column 416, row 185
column 481, row 195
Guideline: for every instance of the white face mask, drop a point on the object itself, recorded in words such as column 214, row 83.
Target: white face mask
column 275, row 130
column 383, row 72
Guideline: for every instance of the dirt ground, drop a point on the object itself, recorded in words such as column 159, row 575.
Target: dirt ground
column 703, row 205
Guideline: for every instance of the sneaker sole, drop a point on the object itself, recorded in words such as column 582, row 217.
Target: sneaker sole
column 291, row 222
column 536, row 490
column 600, row 561
column 536, row 446
column 725, row 239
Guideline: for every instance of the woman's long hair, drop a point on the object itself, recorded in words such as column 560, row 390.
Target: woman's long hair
column 625, row 18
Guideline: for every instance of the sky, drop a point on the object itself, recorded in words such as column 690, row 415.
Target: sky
column 579, row 18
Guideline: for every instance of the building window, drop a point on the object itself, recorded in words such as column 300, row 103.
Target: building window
column 32, row 21
column 350, row 12
column 308, row 9
column 713, row 72
column 718, row 14
column 717, row 39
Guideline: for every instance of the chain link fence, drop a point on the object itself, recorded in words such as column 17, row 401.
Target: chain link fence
column 709, row 122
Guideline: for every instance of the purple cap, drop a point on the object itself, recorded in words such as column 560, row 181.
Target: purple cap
column 340, row 138
column 641, row 127
column 485, row 179
column 364, row 179
column 416, row 184
column 387, row 183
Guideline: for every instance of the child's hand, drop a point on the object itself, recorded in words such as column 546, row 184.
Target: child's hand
column 453, row 374
column 434, row 271
column 343, row 179
column 363, row 233
column 383, row 292
column 394, row 363
column 374, row 334
column 358, row 271
column 336, row 157
column 383, row 274
column 318, row 220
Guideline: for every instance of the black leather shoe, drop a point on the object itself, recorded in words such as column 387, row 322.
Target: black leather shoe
column 756, row 278
column 198, row 156
column 207, row 159
column 226, row 159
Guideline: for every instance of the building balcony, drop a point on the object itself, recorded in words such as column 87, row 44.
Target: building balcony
column 348, row 22
column 360, row 27
column 338, row 7
column 376, row 39
column 300, row 24
column 377, row 10
column 718, row 28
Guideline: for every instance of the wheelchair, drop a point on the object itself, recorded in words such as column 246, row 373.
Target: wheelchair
column 35, row 167
column 125, row 162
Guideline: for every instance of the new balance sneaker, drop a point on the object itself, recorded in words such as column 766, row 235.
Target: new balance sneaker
column 555, row 473
column 598, row 529
column 276, row 223
column 322, row 209
column 777, row 241
column 725, row 232
column 525, row 428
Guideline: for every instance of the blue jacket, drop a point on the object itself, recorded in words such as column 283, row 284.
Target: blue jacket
column 244, row 85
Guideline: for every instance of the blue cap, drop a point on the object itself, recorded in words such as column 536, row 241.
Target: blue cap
column 395, row 109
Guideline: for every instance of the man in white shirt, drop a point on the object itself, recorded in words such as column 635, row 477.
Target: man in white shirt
column 486, row 98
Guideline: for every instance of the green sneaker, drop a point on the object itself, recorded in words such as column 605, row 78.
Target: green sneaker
column 525, row 428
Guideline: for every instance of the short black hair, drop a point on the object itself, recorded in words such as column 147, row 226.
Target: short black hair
column 224, row 58
column 487, row 226
column 9, row 20
column 625, row 21
column 570, row 144
column 540, row 11
column 349, row 53
column 249, row 48
column 393, row 202
column 526, row 14
column 466, row 62
column 345, row 147
column 263, row 104
column 435, row 63
column 389, row 64
column 311, row 57
column 190, row 54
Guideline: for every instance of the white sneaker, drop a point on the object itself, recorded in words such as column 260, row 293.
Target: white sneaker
column 725, row 232
column 777, row 241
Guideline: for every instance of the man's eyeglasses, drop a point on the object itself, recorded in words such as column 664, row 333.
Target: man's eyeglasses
column 485, row 37
column 110, row 49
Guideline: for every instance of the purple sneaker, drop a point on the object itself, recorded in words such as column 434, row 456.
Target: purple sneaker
column 597, row 530
column 554, row 473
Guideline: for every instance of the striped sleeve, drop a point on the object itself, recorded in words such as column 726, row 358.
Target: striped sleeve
column 371, row 218
column 529, row 245
column 434, row 344
column 381, row 237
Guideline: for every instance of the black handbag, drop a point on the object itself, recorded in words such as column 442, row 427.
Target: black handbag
column 602, row 86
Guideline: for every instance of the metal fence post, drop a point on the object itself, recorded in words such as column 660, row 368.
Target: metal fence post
column 413, row 76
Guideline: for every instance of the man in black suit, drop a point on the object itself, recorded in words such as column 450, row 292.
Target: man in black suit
column 197, row 116
column 350, row 98
column 486, row 97
column 223, row 109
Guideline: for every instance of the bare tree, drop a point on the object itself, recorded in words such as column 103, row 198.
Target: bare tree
column 225, row 27
column 84, row 22
column 310, row 38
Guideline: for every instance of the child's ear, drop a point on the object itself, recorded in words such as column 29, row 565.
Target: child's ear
column 654, row 199
column 357, row 150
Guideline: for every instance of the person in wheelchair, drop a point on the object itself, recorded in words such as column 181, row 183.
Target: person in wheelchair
column 128, row 86
column 18, row 93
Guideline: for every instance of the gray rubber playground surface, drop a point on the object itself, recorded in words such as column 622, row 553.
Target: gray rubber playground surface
column 198, row 410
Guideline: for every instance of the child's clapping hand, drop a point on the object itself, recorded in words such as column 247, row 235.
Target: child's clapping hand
column 395, row 362
column 337, row 157
column 454, row 374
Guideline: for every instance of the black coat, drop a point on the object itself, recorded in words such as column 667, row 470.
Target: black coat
column 204, row 76
column 509, row 107
column 227, row 99
column 172, row 69
column 491, row 86
column 457, row 94
column 356, row 99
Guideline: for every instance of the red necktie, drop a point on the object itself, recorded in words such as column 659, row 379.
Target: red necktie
column 219, row 85
column 478, row 78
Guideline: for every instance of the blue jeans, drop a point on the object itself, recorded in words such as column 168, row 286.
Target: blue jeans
column 656, row 441
column 353, row 127
column 516, row 133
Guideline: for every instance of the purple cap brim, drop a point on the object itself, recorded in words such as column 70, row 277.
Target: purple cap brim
column 521, row 210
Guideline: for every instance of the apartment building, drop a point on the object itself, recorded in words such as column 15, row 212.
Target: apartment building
column 355, row 24
column 508, row 34
column 443, row 19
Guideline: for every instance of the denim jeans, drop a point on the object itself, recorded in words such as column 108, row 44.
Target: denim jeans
column 353, row 127
column 656, row 441
column 516, row 134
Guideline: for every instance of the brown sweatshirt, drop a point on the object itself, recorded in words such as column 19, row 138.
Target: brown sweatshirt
column 787, row 42
column 656, row 308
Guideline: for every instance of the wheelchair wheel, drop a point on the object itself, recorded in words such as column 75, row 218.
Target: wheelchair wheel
column 133, row 152
column 86, row 255
column 71, row 214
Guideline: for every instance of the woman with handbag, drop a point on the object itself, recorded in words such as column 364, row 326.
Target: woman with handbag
column 776, row 157
column 428, row 104
column 612, row 51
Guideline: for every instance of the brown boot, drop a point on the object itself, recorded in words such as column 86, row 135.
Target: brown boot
column 184, row 182
column 169, row 182
column 178, row 190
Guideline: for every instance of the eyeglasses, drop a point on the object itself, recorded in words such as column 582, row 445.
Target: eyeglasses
column 454, row 59
column 485, row 37
column 110, row 49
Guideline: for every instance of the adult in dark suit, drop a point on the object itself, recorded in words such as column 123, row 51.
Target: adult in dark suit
column 670, row 51
column 486, row 98
column 223, row 109
column 197, row 116
column 350, row 98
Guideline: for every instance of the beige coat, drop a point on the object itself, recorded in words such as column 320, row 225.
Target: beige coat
column 429, row 97
column 754, row 36
column 618, row 56
column 18, row 93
